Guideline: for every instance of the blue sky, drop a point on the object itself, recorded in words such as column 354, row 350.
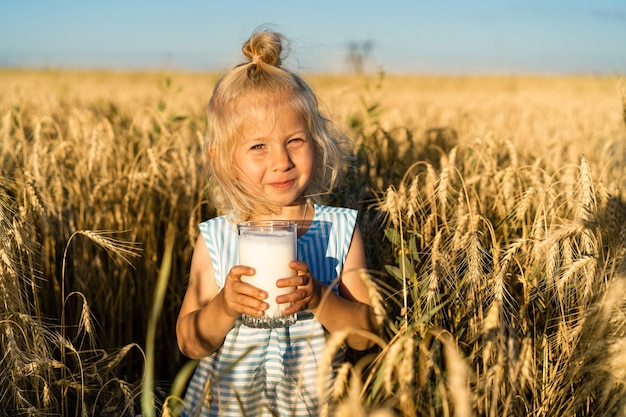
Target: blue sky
column 452, row 37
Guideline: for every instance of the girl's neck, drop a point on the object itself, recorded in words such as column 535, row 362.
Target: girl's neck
column 302, row 214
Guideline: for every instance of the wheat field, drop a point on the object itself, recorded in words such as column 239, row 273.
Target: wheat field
column 491, row 208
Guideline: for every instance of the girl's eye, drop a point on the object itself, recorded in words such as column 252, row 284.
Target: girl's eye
column 257, row 147
column 296, row 140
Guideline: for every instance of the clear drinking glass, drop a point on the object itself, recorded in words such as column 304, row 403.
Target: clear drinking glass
column 268, row 246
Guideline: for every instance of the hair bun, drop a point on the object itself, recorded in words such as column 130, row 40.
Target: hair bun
column 265, row 47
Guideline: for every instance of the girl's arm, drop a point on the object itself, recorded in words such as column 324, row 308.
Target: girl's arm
column 351, row 308
column 207, row 314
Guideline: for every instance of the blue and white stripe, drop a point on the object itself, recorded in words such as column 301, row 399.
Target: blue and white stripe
column 258, row 370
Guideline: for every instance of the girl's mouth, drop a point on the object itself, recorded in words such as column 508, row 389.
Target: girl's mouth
column 283, row 184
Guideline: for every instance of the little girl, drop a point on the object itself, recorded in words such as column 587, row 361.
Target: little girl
column 271, row 155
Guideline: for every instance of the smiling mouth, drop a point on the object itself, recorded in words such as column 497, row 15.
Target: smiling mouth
column 283, row 184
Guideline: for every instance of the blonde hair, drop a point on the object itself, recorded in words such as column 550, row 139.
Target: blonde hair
column 261, row 80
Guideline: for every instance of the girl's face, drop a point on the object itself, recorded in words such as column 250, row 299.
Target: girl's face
column 274, row 155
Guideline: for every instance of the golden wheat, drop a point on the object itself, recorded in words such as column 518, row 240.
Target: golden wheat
column 503, row 194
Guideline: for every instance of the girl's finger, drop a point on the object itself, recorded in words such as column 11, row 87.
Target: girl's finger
column 301, row 267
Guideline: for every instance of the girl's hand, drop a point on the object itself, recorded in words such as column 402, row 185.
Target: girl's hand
column 242, row 298
column 307, row 293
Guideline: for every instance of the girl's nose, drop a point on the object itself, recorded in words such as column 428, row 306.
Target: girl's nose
column 281, row 161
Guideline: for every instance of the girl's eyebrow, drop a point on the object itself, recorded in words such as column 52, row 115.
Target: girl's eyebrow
column 299, row 132
column 246, row 139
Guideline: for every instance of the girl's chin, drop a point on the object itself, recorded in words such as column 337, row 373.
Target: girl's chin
column 285, row 197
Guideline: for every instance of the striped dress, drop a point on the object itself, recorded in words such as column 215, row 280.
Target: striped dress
column 270, row 372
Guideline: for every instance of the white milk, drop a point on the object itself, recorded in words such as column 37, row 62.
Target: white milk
column 269, row 253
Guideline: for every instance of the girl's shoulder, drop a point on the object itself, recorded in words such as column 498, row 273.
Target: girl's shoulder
column 217, row 226
column 215, row 220
column 330, row 211
column 335, row 220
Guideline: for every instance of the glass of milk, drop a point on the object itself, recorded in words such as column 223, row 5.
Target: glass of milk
column 268, row 246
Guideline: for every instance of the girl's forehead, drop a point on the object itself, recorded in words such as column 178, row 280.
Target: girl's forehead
column 257, row 102
column 271, row 110
column 262, row 121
